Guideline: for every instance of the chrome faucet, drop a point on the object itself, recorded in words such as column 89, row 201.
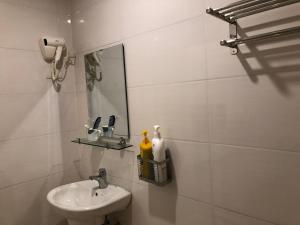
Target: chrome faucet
column 101, row 178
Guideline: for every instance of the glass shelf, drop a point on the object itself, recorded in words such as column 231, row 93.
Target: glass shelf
column 102, row 144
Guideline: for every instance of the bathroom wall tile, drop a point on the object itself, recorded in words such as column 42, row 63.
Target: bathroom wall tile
column 23, row 115
column 17, row 157
column 191, row 162
column 105, row 16
column 68, row 85
column 220, row 63
column 73, row 174
column 78, row 5
column 192, row 212
column 256, row 182
column 169, row 209
column 62, row 152
column 44, row 5
column 26, row 203
column 21, row 204
column 90, row 159
column 122, row 182
column 22, row 72
column 218, row 3
column 82, row 108
column 26, row 112
column 156, row 205
column 10, row 1
column 272, row 20
column 173, row 54
column 118, row 163
column 69, row 175
column 139, row 204
column 41, row 5
column 80, row 73
column 141, row 15
column 181, row 110
column 255, row 114
column 64, row 27
column 21, row 29
column 224, row 217
column 63, row 112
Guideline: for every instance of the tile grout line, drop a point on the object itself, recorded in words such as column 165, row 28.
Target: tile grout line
column 19, row 49
column 122, row 39
column 36, row 93
column 37, row 136
column 34, row 179
column 187, row 81
column 243, row 214
column 211, row 180
column 258, row 148
column 232, row 145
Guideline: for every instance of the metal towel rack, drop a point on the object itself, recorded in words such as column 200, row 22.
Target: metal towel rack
column 232, row 12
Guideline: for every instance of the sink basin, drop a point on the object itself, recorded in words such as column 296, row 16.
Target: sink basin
column 82, row 203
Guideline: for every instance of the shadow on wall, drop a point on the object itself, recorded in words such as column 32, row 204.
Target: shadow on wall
column 122, row 217
column 63, row 222
column 168, row 194
column 278, row 58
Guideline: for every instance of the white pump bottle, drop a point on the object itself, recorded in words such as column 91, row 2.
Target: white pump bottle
column 159, row 155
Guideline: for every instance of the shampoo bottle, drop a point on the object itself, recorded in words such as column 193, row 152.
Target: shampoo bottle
column 146, row 154
column 159, row 155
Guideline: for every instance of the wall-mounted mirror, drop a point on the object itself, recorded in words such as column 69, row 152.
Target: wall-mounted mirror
column 107, row 91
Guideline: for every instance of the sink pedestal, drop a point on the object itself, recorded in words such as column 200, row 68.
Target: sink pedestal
column 97, row 221
column 86, row 222
column 78, row 222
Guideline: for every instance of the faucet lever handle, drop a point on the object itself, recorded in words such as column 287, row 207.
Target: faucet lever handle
column 102, row 172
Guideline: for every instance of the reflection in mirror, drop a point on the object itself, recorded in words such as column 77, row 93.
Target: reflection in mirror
column 93, row 69
column 107, row 95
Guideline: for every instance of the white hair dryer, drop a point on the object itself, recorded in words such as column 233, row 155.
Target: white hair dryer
column 52, row 50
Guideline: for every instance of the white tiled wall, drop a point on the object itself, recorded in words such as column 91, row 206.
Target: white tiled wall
column 37, row 123
column 231, row 122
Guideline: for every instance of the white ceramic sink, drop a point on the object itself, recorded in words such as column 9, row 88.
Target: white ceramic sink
column 82, row 202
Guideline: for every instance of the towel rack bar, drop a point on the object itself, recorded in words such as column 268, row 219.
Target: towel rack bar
column 263, row 9
column 234, row 4
column 244, row 6
column 218, row 15
column 250, row 7
column 233, row 43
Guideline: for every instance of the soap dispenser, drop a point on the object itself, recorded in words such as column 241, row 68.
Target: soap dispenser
column 146, row 155
column 159, row 155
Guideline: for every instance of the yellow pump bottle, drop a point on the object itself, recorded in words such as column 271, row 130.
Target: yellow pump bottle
column 146, row 154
